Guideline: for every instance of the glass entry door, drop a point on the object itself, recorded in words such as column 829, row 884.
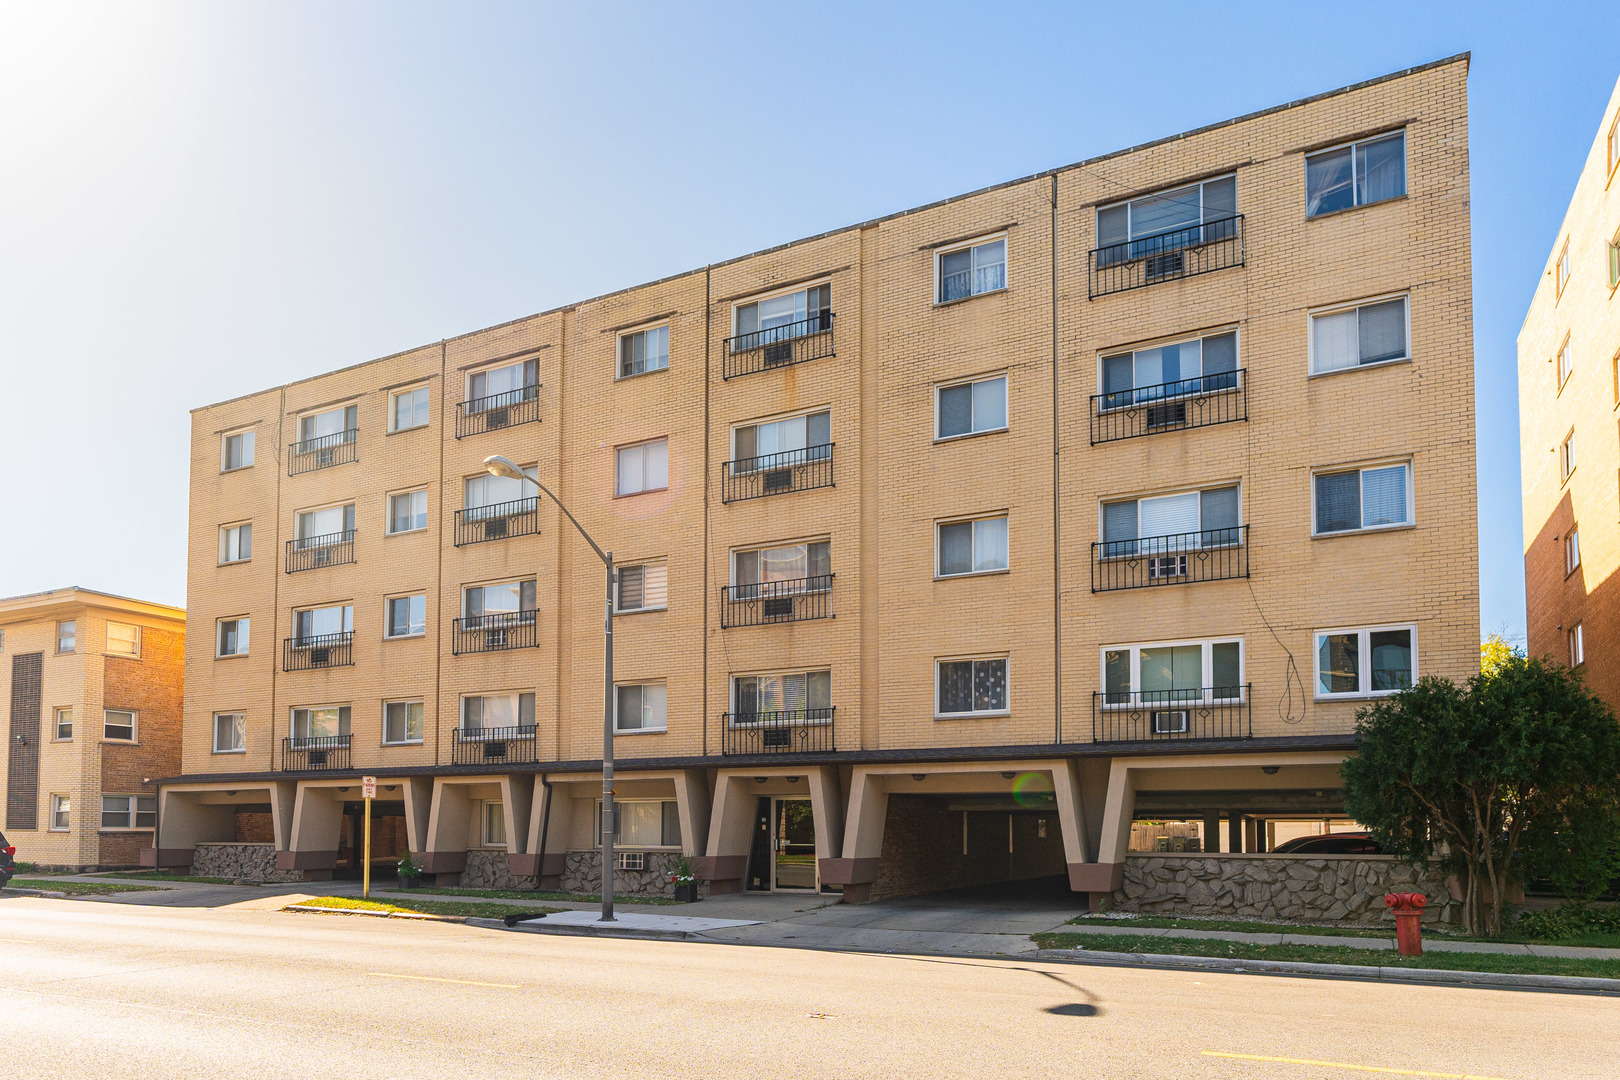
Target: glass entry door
column 793, row 837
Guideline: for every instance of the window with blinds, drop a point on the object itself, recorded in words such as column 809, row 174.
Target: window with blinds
column 1357, row 499
column 781, row 696
column 643, row 588
column 1358, row 336
column 488, row 711
column 1181, row 520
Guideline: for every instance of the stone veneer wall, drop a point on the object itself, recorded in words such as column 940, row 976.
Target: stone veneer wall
column 582, row 873
column 491, row 870
column 1348, row 889
column 240, row 862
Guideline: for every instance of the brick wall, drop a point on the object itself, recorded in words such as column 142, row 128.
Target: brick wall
column 923, row 847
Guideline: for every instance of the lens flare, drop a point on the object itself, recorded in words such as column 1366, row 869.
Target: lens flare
column 1032, row 789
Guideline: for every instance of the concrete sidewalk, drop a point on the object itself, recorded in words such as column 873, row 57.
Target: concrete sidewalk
column 1430, row 943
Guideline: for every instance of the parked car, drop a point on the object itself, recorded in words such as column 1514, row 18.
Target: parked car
column 8, row 861
column 1343, row 843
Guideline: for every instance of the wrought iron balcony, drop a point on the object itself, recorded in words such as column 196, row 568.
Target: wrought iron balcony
column 776, row 602
column 493, row 746
column 477, row 524
column 798, row 731
column 777, row 474
column 314, row 552
column 322, row 453
column 1218, row 398
column 320, row 651
column 1166, row 256
column 315, row 752
column 1176, row 559
column 1213, row 712
column 520, row 406
column 780, row 346
column 493, row 632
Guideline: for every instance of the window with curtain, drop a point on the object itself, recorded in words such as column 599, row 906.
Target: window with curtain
column 1357, row 336
column 486, row 491
column 331, row 524
column 1362, row 662
column 1167, row 672
column 643, row 823
column 640, row 707
column 497, row 387
column 789, row 315
column 1358, row 174
column 1370, row 498
column 643, row 588
column 972, row 407
column 408, row 408
column 500, row 602
column 806, row 438
column 969, row 271
column 342, row 422
column 643, row 467
column 966, row 687
column 1195, row 366
column 311, row 623
column 780, row 697
column 643, row 351
column 1170, row 523
column 320, row 722
column 1195, row 213
column 972, row 547
column 230, row 733
column 809, row 563
column 494, row 824
column 486, row 712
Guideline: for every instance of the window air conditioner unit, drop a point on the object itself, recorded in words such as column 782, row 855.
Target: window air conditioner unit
column 778, row 480
column 778, row 607
column 778, row 353
column 325, row 457
column 495, row 418
column 320, row 657
column 494, row 750
column 494, row 528
column 1167, row 566
column 494, row 639
column 1163, row 266
column 776, row 738
column 321, row 556
column 317, row 759
column 1170, row 721
column 1172, row 414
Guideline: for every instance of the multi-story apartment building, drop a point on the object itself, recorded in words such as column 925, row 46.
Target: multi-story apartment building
column 949, row 543
column 1569, row 389
column 91, row 684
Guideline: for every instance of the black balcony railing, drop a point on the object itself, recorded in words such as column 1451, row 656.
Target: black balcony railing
column 799, row 731
column 1176, row 559
column 493, row 632
column 321, row 453
column 313, row 552
column 315, row 752
column 1166, row 256
column 493, row 746
column 780, row 346
column 776, row 602
column 1217, row 398
column 1213, row 712
column 520, row 406
column 777, row 474
column 320, row 651
column 477, row 524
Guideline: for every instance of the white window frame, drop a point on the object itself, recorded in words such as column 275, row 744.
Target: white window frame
column 388, row 511
column 461, row 714
column 388, row 622
column 1005, row 710
column 778, row 673
column 618, row 805
column 1206, row 678
column 134, row 813
column 1145, row 549
column 1313, row 314
column 1411, row 497
column 244, row 645
column 1566, row 457
column 1237, row 371
column 617, row 480
column 1577, row 646
column 1572, row 550
column 327, row 410
column 1363, row 649
column 225, row 437
column 643, row 565
column 225, row 531
column 972, row 519
column 1613, row 144
column 618, row 729
column 759, row 298
column 1565, row 361
column 239, row 725
column 56, row 724
column 75, row 646
column 969, row 245
column 134, row 726
column 731, row 438
column 1355, row 177
column 1562, row 269
column 484, row 809
column 393, row 407
column 625, row 335
column 347, row 621
column 303, row 544
column 305, row 741
column 422, row 703
column 61, row 806
column 973, row 381
column 107, row 635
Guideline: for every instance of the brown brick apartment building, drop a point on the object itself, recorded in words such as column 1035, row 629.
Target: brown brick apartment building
column 951, row 543
column 91, row 684
column 1569, row 364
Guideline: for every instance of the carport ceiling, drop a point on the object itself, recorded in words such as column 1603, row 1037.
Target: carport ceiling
column 1301, row 802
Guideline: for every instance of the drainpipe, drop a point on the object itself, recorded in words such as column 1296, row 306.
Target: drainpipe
column 545, row 827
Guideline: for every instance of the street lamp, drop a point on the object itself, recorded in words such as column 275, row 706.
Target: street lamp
column 496, row 465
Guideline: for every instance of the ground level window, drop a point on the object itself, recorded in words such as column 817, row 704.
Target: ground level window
column 1355, row 663
column 494, row 824
column 128, row 811
column 643, row 823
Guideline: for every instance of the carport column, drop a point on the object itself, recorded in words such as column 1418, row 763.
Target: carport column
column 316, row 825
column 863, row 838
column 283, row 800
column 1234, row 832
column 448, row 822
column 1212, row 830
column 517, row 793
column 418, row 804
column 1071, row 816
column 550, row 837
column 692, row 804
column 1104, row 877
column 827, row 812
column 731, row 822
column 527, row 862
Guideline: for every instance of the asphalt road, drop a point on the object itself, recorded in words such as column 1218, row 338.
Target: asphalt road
column 93, row 990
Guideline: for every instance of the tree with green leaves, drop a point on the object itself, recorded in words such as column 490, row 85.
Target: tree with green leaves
column 1513, row 777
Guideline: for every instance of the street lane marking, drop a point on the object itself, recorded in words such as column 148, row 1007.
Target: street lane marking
column 429, row 978
column 1342, row 1065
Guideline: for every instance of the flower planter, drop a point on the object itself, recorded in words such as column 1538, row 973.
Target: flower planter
column 686, row 893
column 407, row 883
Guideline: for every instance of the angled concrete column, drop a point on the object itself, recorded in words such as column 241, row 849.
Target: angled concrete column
column 827, row 810
column 692, row 803
column 731, row 822
column 863, row 838
column 517, row 799
column 1102, row 878
column 418, row 805
column 528, row 863
column 1071, row 818
column 448, row 822
column 316, row 825
column 554, row 814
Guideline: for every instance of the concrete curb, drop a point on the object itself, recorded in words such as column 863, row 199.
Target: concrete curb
column 1337, row 971
column 19, row 891
column 310, row 909
column 588, row 931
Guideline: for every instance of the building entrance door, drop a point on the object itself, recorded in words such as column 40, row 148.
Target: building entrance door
column 794, row 848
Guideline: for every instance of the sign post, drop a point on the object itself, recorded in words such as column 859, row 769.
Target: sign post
column 368, row 791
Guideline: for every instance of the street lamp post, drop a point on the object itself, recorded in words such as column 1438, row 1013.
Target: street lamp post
column 496, row 465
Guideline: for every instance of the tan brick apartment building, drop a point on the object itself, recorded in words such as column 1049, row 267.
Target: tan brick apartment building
column 1569, row 363
column 952, row 541
column 91, row 685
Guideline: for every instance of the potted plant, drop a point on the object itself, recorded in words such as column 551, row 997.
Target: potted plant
column 409, row 872
column 686, row 880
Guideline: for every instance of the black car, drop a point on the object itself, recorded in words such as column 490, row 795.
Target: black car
column 1344, row 843
column 8, row 861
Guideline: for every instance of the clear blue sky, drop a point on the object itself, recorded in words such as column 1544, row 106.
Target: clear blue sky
column 200, row 200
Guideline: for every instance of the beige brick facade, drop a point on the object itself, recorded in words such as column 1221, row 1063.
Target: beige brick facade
column 893, row 346
column 1575, row 400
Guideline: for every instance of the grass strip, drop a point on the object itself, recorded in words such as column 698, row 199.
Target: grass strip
column 521, row 894
column 1163, row 922
column 82, row 888
column 425, row 907
column 1331, row 954
column 148, row 875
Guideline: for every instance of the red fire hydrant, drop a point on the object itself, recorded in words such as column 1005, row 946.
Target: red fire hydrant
column 1408, row 930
